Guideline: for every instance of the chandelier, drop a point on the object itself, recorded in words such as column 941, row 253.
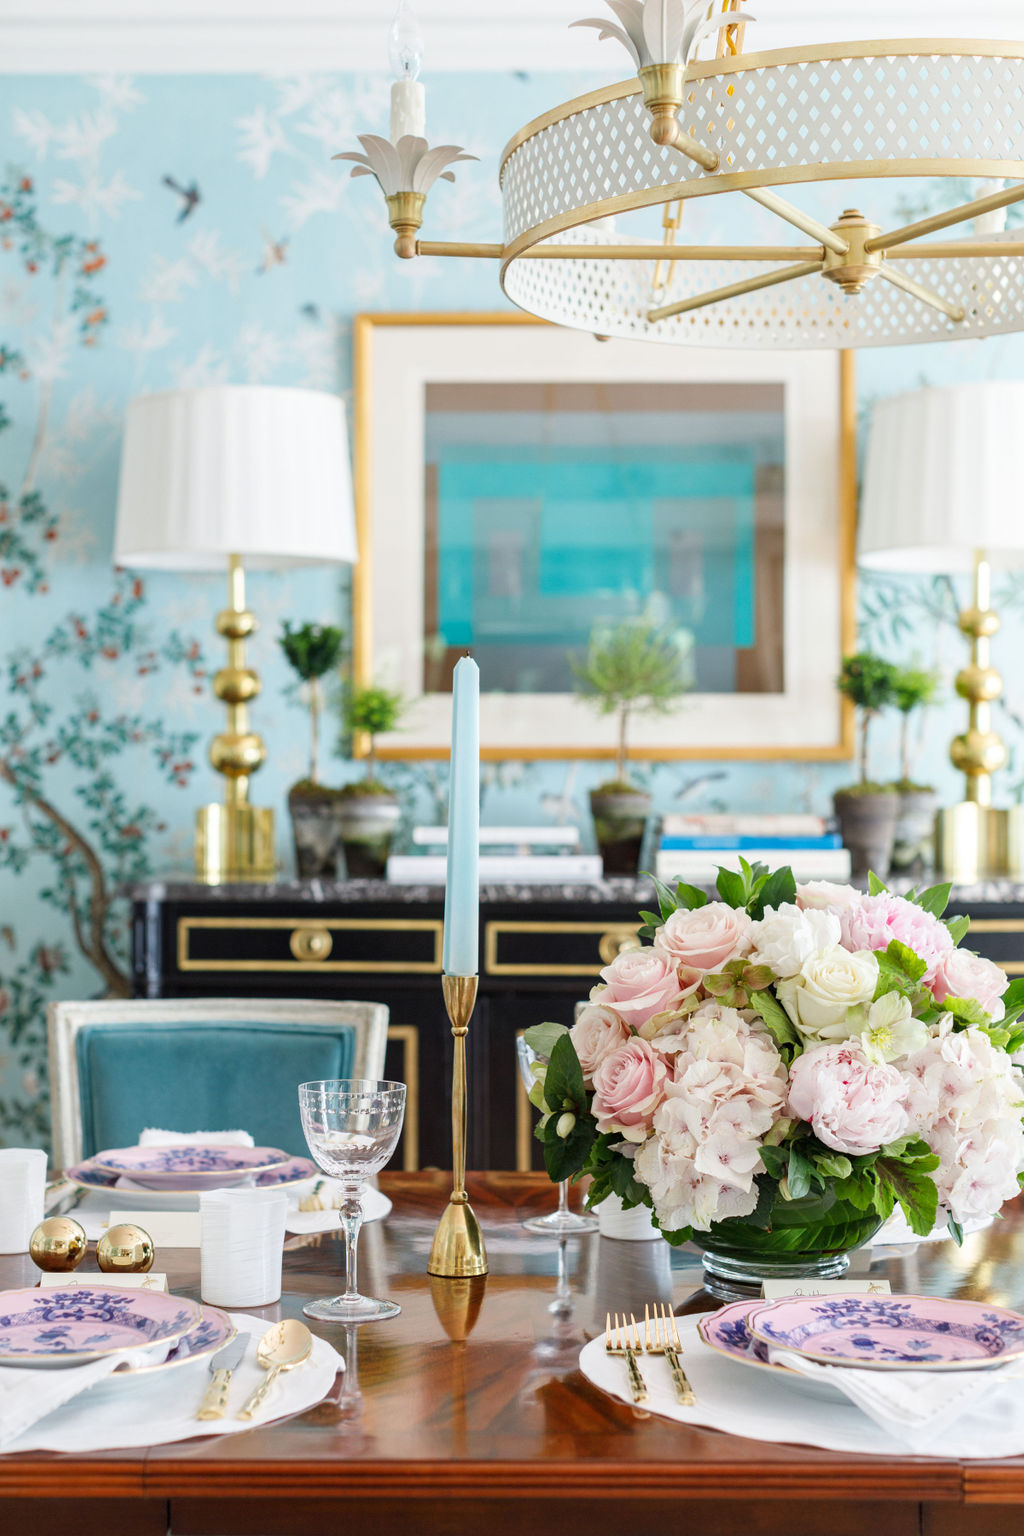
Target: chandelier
column 743, row 123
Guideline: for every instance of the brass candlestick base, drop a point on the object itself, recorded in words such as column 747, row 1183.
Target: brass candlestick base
column 458, row 1251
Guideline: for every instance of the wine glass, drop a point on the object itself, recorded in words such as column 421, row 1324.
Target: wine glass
column 351, row 1126
column 562, row 1222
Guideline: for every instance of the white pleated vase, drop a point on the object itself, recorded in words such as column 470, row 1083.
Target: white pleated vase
column 635, row 1226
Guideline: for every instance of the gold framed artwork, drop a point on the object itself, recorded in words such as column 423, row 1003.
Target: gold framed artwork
column 518, row 484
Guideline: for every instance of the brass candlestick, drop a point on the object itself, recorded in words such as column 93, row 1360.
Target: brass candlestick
column 458, row 1248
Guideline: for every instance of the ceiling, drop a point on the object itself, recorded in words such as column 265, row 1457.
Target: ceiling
column 298, row 36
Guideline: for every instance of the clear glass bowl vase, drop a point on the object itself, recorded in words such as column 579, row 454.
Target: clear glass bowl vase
column 810, row 1239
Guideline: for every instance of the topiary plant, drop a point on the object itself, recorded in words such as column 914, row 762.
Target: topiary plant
column 634, row 668
column 373, row 710
column 869, row 682
column 312, row 651
column 913, row 688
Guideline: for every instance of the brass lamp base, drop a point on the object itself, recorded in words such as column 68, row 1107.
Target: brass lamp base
column 234, row 842
column 457, row 1251
column 977, row 842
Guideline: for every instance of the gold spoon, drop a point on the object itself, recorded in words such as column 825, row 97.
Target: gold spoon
column 282, row 1347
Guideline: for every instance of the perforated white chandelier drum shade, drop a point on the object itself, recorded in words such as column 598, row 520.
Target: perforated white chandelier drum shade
column 248, row 470
column 944, row 479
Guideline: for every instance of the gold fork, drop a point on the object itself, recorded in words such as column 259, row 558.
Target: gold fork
column 311, row 1202
column 621, row 1341
column 665, row 1341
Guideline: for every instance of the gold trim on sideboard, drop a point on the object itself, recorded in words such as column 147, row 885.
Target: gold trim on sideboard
column 327, row 925
column 997, row 925
column 407, row 1036
column 610, row 932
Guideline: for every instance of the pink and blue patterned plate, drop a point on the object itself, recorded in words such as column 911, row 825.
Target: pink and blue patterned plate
column 890, row 1333
column 212, row 1332
column 726, row 1332
column 89, row 1175
column 190, row 1166
column 47, row 1328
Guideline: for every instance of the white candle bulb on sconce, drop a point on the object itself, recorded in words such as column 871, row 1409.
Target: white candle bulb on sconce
column 408, row 98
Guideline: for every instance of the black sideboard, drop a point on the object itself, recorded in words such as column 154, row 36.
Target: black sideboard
column 541, row 948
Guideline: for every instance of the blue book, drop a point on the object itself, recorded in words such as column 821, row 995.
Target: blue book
column 738, row 844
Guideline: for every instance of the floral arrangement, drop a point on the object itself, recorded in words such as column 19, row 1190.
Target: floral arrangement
column 787, row 1042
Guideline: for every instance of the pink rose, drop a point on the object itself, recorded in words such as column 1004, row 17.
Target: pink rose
column 880, row 919
column 597, row 1032
column 706, row 938
column 958, row 973
column 628, row 1087
column 641, row 984
column 852, row 1104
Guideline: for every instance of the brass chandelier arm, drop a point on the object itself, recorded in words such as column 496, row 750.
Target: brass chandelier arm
column 925, row 295
column 945, row 249
column 671, row 136
column 644, row 251
column 803, row 221
column 736, row 290
column 938, row 221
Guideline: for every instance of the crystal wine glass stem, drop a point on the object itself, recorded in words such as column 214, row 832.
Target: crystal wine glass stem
column 563, row 1198
column 351, row 1218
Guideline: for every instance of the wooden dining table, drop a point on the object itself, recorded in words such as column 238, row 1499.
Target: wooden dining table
column 469, row 1411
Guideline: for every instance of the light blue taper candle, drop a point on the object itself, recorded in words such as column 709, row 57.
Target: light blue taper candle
column 462, row 887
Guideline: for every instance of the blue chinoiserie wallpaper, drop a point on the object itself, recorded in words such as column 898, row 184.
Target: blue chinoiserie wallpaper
column 161, row 231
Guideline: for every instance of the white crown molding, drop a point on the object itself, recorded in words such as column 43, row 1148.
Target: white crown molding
column 328, row 36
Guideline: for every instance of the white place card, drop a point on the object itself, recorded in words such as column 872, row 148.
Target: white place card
column 150, row 1282
column 778, row 1290
column 168, row 1229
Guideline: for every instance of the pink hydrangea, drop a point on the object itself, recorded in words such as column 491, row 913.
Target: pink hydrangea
column 877, row 920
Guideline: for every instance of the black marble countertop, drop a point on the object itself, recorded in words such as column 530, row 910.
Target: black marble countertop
column 593, row 893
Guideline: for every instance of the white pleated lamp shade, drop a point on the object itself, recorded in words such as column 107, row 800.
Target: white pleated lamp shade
column 944, row 478
column 246, row 470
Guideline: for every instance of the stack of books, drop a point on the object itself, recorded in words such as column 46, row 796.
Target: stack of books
column 693, row 848
column 508, row 856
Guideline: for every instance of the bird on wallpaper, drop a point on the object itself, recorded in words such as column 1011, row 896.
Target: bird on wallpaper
column 190, row 196
column 310, row 312
column 275, row 253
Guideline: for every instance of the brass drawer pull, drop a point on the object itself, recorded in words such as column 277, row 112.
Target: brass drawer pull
column 310, row 943
column 617, row 941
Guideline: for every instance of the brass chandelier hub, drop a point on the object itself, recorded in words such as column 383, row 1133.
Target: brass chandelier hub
column 854, row 270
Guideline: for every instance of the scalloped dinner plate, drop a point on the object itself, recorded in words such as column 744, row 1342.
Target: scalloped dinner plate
column 54, row 1328
column 192, row 1166
column 890, row 1333
column 88, row 1175
column 726, row 1332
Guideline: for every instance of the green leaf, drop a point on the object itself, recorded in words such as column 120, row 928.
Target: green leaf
column 778, row 890
column 832, row 1165
column 761, row 1215
column 965, row 1010
column 858, row 1190
column 732, row 888
column 778, row 1023
column 564, row 1156
column 541, row 1038
column 666, row 900
column 1013, row 1000
column 799, row 1175
column 935, row 899
column 958, row 927
column 910, row 962
column 899, row 970
column 776, row 1160
column 563, row 1085
column 690, row 896
column 954, row 1228
column 875, row 886
column 916, row 1191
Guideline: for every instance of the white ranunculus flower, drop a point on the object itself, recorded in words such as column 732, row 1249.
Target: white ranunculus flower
column 827, row 999
column 786, row 937
column 891, row 1031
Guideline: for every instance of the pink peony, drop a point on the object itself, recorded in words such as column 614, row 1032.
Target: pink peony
column 958, row 973
column 880, row 919
column 640, row 984
column 628, row 1087
column 596, row 1034
column 706, row 938
column 852, row 1104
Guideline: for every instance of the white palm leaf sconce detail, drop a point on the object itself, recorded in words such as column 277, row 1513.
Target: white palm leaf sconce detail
column 930, row 110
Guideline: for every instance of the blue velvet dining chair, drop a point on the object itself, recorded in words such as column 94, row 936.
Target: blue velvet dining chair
column 207, row 1064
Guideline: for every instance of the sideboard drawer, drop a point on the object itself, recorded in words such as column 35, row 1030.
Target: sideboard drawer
column 554, row 948
column 371, row 946
column 1000, row 939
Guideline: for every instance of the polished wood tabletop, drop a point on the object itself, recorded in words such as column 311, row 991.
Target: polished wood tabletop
column 470, row 1406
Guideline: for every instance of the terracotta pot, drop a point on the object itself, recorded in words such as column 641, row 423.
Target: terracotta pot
column 620, row 819
column 367, row 824
column 314, row 817
column 914, row 844
column 868, row 825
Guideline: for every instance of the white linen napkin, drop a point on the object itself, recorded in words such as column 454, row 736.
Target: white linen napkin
column 912, row 1406
column 28, row 1395
column 156, row 1138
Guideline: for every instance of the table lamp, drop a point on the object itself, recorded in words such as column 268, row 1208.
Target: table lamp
column 211, row 478
column 942, row 494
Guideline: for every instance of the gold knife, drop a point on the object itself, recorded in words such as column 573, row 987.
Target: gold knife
column 215, row 1399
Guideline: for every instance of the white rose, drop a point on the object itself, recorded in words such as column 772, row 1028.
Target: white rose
column 826, row 999
column 786, row 938
column 822, row 893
